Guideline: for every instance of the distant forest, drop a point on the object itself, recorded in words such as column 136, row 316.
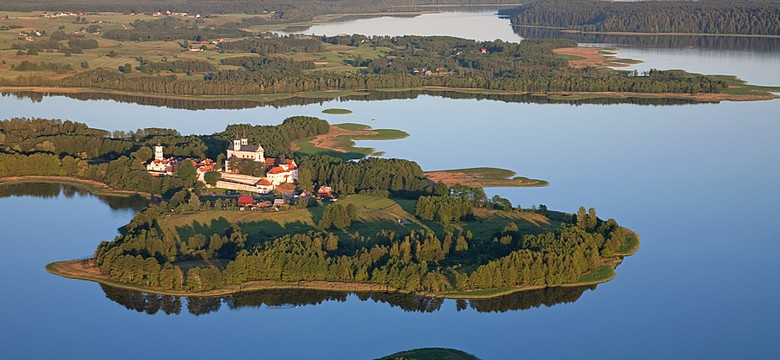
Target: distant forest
column 716, row 17
column 285, row 10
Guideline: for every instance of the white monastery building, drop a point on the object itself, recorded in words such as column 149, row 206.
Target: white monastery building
column 241, row 149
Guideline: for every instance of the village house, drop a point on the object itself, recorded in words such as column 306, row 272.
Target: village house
column 246, row 200
column 324, row 192
column 203, row 167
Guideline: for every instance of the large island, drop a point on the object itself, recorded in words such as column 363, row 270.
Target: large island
column 306, row 220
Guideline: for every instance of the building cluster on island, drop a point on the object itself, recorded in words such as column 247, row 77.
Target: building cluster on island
column 280, row 174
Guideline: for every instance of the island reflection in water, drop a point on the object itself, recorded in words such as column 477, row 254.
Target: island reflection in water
column 54, row 190
column 291, row 298
column 233, row 104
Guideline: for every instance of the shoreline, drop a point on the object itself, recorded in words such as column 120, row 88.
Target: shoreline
column 84, row 269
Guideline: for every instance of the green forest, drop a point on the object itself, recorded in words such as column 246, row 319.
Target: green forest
column 701, row 17
column 346, row 246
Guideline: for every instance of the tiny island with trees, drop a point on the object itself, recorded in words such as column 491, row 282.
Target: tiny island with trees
column 373, row 224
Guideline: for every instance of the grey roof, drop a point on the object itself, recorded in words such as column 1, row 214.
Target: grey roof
column 248, row 148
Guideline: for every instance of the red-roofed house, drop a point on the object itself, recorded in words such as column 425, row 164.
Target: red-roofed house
column 246, row 200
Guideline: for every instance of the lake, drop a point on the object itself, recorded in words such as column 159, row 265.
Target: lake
column 697, row 182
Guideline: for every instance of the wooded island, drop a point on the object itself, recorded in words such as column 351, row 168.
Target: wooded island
column 307, row 221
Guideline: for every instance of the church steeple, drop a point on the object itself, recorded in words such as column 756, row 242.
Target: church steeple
column 158, row 152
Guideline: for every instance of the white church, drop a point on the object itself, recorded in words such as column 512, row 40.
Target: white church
column 160, row 165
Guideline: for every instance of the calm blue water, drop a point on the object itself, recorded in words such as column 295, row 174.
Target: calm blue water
column 697, row 182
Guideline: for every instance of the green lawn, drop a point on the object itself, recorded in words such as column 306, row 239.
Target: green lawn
column 602, row 274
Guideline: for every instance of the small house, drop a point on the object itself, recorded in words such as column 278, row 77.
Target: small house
column 324, row 192
column 246, row 200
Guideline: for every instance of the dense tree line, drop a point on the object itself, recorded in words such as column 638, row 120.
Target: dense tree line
column 43, row 66
column 269, row 64
column 270, row 44
column 58, row 137
column 443, row 209
column 753, row 18
column 371, row 175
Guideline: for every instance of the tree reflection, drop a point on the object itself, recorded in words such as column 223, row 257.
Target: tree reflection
column 53, row 190
column 368, row 96
column 291, row 298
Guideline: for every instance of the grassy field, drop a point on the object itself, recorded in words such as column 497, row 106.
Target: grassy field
column 374, row 214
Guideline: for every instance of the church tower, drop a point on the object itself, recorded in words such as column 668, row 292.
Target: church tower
column 237, row 144
column 158, row 152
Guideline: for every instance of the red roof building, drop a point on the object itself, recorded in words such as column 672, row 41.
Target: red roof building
column 246, row 200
